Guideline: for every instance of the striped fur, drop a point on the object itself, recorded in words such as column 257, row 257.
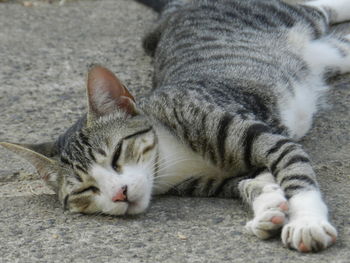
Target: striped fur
column 230, row 79
column 235, row 62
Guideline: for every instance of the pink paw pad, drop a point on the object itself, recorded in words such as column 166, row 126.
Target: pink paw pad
column 284, row 206
column 278, row 220
column 303, row 248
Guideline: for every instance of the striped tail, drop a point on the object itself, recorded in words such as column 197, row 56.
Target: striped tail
column 157, row 5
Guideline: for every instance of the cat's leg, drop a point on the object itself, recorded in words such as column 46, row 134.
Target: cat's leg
column 335, row 10
column 269, row 205
column 243, row 143
column 308, row 228
column 298, row 109
column 326, row 56
column 329, row 53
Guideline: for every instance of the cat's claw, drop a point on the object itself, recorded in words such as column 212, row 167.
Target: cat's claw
column 270, row 210
column 308, row 234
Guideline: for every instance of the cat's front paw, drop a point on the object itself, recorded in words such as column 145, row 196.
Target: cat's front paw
column 308, row 234
column 267, row 224
column 270, row 210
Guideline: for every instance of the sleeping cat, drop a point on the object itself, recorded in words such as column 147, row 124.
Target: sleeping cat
column 236, row 82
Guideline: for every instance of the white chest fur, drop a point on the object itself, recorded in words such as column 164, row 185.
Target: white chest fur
column 177, row 162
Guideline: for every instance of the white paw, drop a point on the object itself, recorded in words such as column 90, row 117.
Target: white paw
column 308, row 234
column 267, row 224
column 270, row 210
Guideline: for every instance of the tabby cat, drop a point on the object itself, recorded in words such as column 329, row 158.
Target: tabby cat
column 236, row 83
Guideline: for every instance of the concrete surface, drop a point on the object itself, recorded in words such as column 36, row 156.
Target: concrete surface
column 45, row 49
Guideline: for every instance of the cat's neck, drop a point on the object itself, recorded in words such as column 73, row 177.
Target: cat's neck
column 176, row 162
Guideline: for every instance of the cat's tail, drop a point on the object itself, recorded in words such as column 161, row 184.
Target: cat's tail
column 157, row 5
column 163, row 7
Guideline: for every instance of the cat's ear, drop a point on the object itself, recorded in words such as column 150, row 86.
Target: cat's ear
column 46, row 167
column 107, row 94
column 48, row 149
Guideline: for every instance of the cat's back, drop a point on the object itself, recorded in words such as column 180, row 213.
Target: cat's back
column 227, row 39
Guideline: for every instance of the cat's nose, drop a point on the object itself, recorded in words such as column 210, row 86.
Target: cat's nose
column 121, row 194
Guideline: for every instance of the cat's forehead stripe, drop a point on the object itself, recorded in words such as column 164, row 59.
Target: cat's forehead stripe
column 84, row 139
column 78, row 177
column 80, row 168
column 91, row 154
column 138, row 133
column 102, row 152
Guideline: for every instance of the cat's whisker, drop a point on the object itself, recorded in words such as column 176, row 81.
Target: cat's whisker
column 165, row 175
column 168, row 163
column 162, row 184
column 164, row 164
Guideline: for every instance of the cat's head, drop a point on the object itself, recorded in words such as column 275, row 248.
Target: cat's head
column 106, row 164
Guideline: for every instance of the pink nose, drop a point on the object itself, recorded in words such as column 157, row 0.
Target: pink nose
column 121, row 195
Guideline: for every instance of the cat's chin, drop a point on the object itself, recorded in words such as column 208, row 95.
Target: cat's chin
column 117, row 211
column 129, row 208
column 135, row 209
column 138, row 206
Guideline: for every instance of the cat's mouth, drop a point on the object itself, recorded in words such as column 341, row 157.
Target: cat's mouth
column 128, row 207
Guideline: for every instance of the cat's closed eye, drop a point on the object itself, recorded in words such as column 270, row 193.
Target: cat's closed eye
column 116, row 156
column 92, row 189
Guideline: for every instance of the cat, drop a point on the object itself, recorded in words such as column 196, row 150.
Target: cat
column 236, row 83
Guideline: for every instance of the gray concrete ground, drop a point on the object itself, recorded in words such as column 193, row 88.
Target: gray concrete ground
column 44, row 53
